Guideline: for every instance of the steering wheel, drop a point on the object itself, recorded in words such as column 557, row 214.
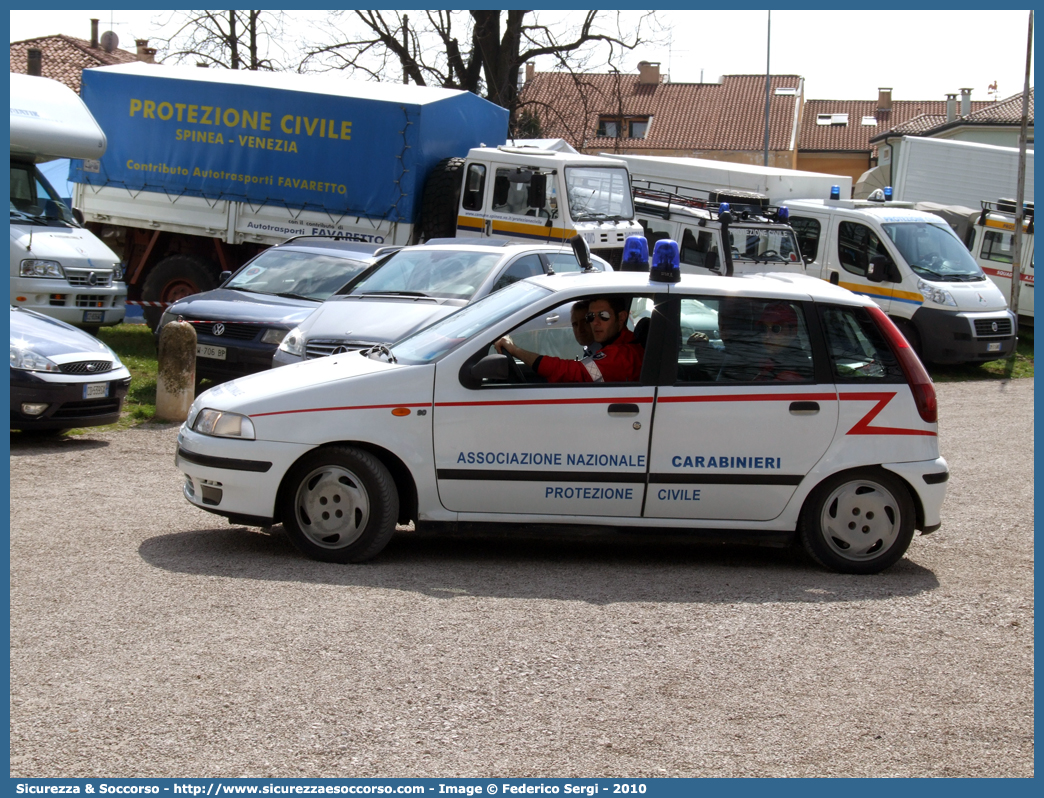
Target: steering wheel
column 770, row 253
column 514, row 372
column 933, row 260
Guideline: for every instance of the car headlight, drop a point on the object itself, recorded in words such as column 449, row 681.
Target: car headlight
column 273, row 336
column 936, row 295
column 223, row 424
column 31, row 267
column 293, row 343
column 25, row 359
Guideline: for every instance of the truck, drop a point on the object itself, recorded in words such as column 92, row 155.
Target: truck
column 58, row 267
column 989, row 234
column 205, row 168
column 948, row 172
column 702, row 174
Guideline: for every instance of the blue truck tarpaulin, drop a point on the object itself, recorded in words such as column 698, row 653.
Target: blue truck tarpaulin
column 314, row 142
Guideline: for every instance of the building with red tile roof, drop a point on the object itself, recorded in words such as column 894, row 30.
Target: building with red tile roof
column 63, row 58
column 645, row 114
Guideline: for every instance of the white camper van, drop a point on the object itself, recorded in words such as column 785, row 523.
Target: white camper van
column 913, row 265
column 58, row 267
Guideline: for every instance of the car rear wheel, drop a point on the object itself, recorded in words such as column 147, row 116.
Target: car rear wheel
column 858, row 522
column 339, row 504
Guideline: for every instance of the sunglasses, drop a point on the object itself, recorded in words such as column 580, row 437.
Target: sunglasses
column 604, row 315
column 774, row 328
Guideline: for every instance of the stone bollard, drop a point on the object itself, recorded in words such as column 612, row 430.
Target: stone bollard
column 176, row 381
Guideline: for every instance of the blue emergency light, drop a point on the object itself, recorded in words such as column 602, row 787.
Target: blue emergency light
column 835, row 192
column 783, row 214
column 635, row 255
column 666, row 266
column 888, row 193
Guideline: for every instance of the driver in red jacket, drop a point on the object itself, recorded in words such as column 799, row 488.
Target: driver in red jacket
column 619, row 359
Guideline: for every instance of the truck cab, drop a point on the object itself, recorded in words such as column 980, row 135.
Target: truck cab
column 992, row 244
column 533, row 194
column 914, row 266
column 58, row 267
column 757, row 235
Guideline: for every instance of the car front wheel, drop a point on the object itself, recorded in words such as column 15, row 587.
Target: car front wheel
column 858, row 522
column 339, row 504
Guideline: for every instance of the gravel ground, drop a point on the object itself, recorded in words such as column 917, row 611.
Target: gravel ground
column 149, row 638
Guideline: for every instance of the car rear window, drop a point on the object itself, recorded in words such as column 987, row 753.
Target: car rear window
column 858, row 350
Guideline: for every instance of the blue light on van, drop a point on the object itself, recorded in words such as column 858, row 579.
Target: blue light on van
column 835, row 192
column 888, row 193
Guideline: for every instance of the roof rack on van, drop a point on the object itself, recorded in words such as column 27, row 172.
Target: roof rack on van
column 744, row 205
column 1007, row 206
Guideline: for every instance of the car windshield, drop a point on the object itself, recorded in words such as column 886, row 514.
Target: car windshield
column 33, row 201
column 764, row 244
column 305, row 275
column 445, row 336
column 435, row 273
column 934, row 252
column 598, row 193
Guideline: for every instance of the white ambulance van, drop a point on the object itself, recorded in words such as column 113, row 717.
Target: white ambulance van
column 915, row 268
column 58, row 267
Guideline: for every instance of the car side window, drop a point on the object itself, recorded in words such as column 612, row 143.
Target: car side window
column 735, row 339
column 562, row 262
column 807, row 231
column 526, row 266
column 858, row 350
column 857, row 246
column 701, row 250
column 474, row 187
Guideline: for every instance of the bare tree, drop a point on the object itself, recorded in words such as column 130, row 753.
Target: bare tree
column 476, row 51
column 229, row 39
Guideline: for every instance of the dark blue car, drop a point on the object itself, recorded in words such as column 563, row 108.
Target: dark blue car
column 62, row 377
column 240, row 324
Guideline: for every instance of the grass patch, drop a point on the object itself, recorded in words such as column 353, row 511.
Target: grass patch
column 1018, row 367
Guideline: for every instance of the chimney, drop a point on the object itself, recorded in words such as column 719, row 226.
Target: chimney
column 530, row 70
column 951, row 107
column 884, row 99
column 34, row 61
column 649, row 72
column 94, row 34
column 965, row 102
column 146, row 54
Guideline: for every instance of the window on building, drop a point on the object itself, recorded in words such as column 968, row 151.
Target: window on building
column 628, row 127
column 832, row 119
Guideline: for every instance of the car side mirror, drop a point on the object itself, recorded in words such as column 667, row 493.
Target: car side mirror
column 223, row 276
column 78, row 216
column 491, row 367
column 582, row 252
column 808, row 259
column 877, row 269
column 537, row 191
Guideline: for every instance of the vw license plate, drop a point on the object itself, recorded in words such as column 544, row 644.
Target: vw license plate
column 213, row 352
column 96, row 390
column 93, row 316
column 993, row 347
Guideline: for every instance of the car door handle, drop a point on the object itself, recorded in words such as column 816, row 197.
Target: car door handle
column 804, row 408
column 623, row 410
column 553, row 319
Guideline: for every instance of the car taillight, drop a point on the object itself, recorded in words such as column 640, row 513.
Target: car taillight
column 920, row 383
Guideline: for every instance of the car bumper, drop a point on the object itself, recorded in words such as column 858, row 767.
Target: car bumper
column 241, row 358
column 928, row 478
column 233, row 477
column 965, row 337
column 66, row 406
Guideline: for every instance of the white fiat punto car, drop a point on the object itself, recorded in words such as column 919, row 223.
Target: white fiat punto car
column 774, row 407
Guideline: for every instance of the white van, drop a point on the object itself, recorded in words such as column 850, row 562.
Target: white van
column 915, row 268
column 759, row 239
column 990, row 236
column 58, row 267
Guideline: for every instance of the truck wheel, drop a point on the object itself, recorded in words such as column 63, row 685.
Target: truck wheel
column 173, row 278
column 441, row 199
column 339, row 504
column 858, row 522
